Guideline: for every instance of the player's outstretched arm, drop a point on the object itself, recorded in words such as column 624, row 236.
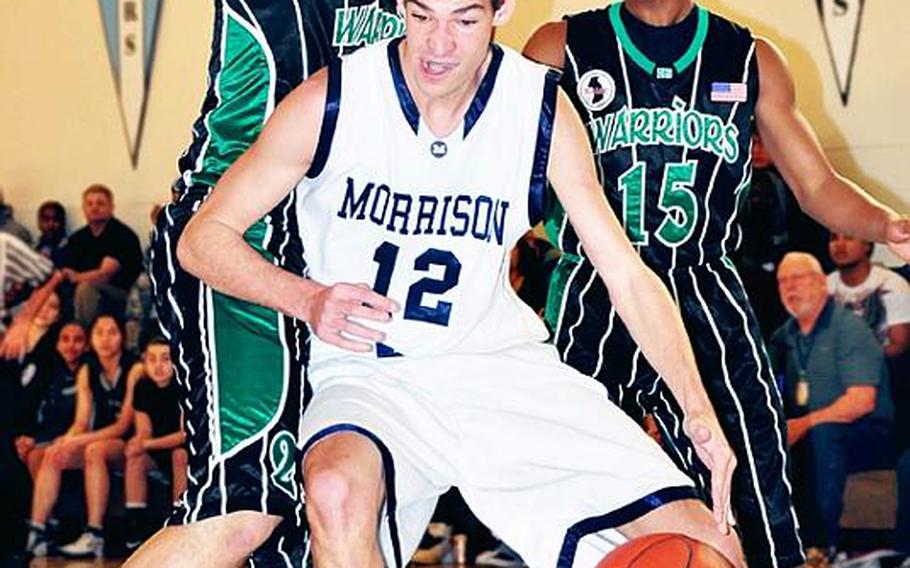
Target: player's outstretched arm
column 828, row 197
column 212, row 246
column 639, row 296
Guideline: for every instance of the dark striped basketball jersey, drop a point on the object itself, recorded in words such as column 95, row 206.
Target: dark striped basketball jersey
column 671, row 140
column 261, row 50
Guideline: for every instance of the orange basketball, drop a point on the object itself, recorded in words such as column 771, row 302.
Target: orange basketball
column 664, row 551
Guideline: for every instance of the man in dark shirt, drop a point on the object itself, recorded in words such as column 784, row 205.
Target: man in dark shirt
column 103, row 258
column 836, row 397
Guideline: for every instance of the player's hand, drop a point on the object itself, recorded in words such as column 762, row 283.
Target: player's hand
column 714, row 451
column 330, row 311
column 898, row 237
column 15, row 342
column 24, row 445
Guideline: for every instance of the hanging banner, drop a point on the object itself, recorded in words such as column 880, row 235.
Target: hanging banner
column 130, row 28
column 841, row 21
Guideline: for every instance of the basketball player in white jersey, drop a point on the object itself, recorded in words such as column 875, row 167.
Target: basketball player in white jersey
column 429, row 164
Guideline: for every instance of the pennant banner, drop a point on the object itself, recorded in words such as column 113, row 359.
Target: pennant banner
column 130, row 28
column 841, row 21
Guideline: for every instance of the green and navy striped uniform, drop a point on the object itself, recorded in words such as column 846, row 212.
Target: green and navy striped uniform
column 671, row 138
column 241, row 367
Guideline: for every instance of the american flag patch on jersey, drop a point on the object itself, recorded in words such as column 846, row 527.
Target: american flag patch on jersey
column 729, row 93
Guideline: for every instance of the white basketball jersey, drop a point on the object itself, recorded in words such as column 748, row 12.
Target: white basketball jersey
column 429, row 222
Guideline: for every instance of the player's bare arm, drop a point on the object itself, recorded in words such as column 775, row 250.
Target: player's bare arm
column 212, row 246
column 828, row 197
column 547, row 45
column 639, row 296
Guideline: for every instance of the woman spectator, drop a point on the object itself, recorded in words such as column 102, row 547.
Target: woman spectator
column 104, row 415
column 49, row 384
column 158, row 439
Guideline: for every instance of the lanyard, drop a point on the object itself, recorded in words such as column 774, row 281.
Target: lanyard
column 804, row 346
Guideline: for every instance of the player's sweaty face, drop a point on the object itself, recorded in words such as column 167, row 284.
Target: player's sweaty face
column 447, row 43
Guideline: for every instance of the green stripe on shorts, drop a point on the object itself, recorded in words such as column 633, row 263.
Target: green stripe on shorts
column 250, row 357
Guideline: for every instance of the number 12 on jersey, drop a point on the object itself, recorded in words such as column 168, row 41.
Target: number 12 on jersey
column 386, row 256
column 677, row 201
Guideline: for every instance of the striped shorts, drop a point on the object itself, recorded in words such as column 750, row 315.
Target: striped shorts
column 241, row 370
column 734, row 366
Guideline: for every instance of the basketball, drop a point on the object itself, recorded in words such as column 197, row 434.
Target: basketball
column 664, row 551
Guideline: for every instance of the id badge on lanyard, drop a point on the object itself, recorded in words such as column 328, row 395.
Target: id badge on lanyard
column 802, row 390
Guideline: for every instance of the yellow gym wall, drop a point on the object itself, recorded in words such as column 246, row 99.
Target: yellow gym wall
column 61, row 127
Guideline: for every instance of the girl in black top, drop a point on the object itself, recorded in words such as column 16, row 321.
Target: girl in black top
column 49, row 383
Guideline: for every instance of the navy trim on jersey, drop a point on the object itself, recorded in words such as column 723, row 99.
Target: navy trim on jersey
column 537, row 190
column 388, row 465
column 478, row 103
column 482, row 97
column 619, row 517
column 329, row 120
column 408, row 106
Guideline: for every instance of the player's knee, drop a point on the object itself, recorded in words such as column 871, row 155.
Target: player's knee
column 334, row 499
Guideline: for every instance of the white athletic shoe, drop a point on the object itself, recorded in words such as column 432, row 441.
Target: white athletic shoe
column 88, row 545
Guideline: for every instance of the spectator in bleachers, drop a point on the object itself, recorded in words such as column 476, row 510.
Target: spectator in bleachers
column 9, row 225
column 836, row 397
column 158, row 439
column 49, row 386
column 95, row 440
column 876, row 294
column 37, row 345
column 102, row 259
column 52, row 228
column 881, row 297
column 772, row 225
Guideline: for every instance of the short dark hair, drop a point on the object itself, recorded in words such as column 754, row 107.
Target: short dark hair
column 98, row 188
column 157, row 340
column 56, row 207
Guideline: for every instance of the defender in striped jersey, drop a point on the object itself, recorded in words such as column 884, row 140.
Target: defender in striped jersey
column 670, row 94
column 241, row 367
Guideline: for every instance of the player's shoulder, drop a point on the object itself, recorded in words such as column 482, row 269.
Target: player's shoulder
column 726, row 28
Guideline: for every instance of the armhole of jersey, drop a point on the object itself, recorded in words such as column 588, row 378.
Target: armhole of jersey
column 329, row 120
column 538, row 184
